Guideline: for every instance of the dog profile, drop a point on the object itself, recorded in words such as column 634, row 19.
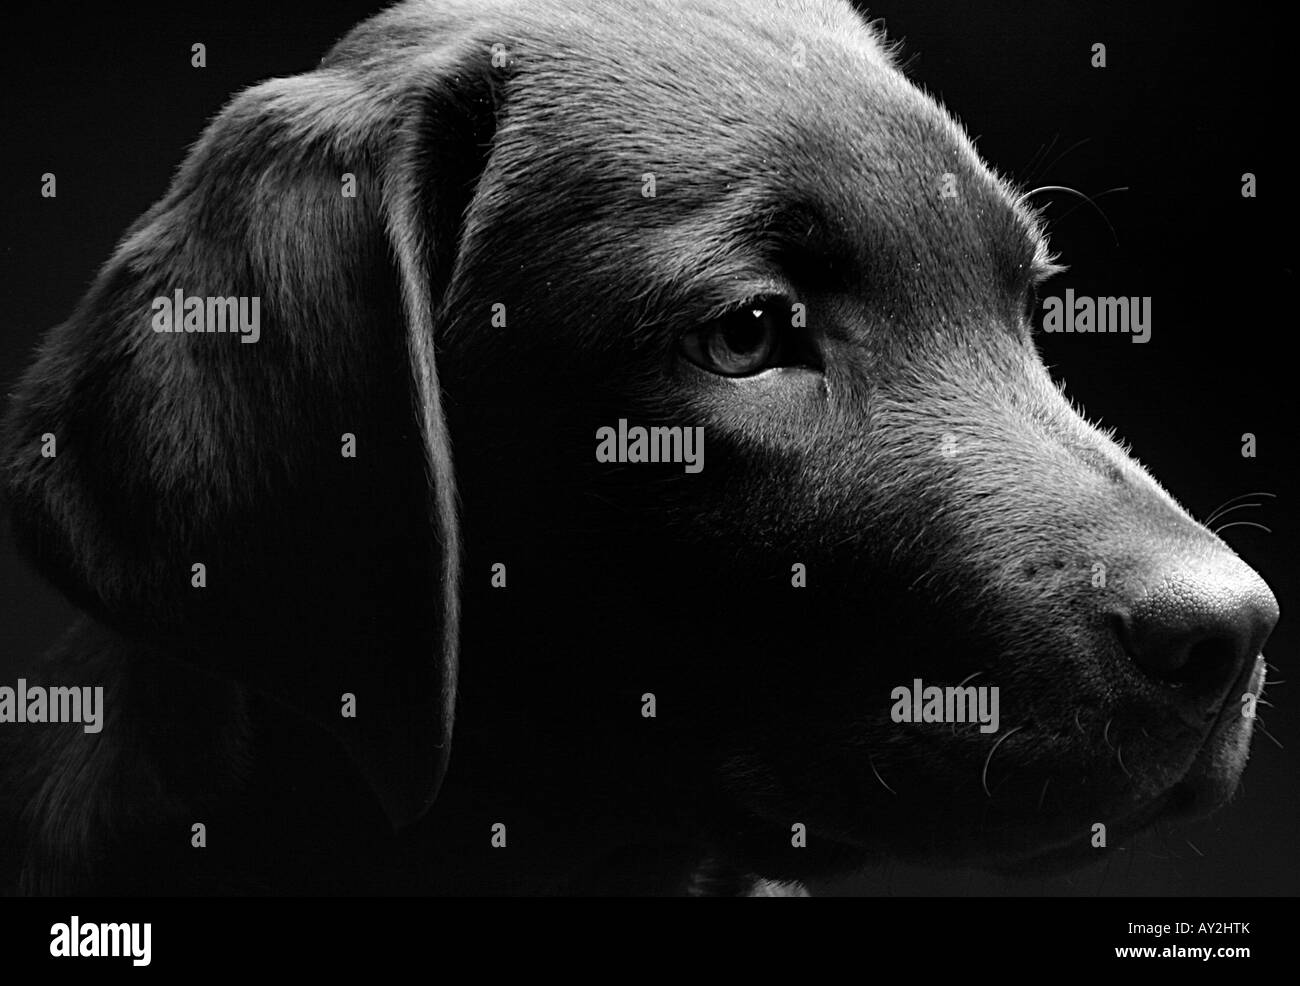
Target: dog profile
column 647, row 390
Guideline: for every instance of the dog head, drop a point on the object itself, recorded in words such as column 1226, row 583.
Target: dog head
column 739, row 220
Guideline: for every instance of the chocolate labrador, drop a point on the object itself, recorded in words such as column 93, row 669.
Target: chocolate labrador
column 648, row 387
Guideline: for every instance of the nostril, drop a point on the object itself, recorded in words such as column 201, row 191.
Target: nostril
column 1172, row 656
column 1198, row 658
column 1203, row 664
column 1198, row 633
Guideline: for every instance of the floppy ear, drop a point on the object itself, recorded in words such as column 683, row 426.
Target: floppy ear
column 276, row 503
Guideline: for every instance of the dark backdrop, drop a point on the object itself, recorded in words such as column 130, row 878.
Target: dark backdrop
column 1190, row 99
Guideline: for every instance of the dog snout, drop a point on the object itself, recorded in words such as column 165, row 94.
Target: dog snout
column 1199, row 628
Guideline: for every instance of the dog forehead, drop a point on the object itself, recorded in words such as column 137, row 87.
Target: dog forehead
column 710, row 87
column 688, row 128
column 651, row 151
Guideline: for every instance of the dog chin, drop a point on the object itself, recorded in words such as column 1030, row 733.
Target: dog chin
column 1033, row 848
column 1208, row 784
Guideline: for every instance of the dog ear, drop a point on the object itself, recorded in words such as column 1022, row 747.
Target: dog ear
column 275, row 502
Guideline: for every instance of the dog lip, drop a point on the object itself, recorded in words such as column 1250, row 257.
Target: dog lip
column 1245, row 683
column 1208, row 782
column 1212, row 775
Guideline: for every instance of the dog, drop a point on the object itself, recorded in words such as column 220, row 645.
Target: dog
column 648, row 389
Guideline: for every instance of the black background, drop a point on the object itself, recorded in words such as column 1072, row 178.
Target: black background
column 1190, row 99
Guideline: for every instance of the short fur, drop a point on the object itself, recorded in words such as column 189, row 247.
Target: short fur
column 518, row 182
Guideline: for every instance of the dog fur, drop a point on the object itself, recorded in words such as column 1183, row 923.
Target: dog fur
column 949, row 504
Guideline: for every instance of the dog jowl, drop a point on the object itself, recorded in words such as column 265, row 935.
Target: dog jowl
column 735, row 223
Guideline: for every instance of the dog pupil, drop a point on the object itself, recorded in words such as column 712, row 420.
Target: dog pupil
column 744, row 334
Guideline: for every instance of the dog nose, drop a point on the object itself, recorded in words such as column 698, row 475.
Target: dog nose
column 1200, row 629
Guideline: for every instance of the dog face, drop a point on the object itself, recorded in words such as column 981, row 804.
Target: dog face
column 740, row 220
column 906, row 445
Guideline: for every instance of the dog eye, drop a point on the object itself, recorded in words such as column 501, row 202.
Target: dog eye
column 743, row 342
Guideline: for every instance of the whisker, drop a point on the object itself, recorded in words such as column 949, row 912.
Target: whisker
column 984, row 776
column 1223, row 513
column 1090, row 200
column 1241, row 523
column 1215, row 512
column 881, row 779
column 1268, row 734
column 1031, row 169
column 1094, row 198
column 1061, row 157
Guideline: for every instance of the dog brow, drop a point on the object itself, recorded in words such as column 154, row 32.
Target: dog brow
column 817, row 251
column 810, row 247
